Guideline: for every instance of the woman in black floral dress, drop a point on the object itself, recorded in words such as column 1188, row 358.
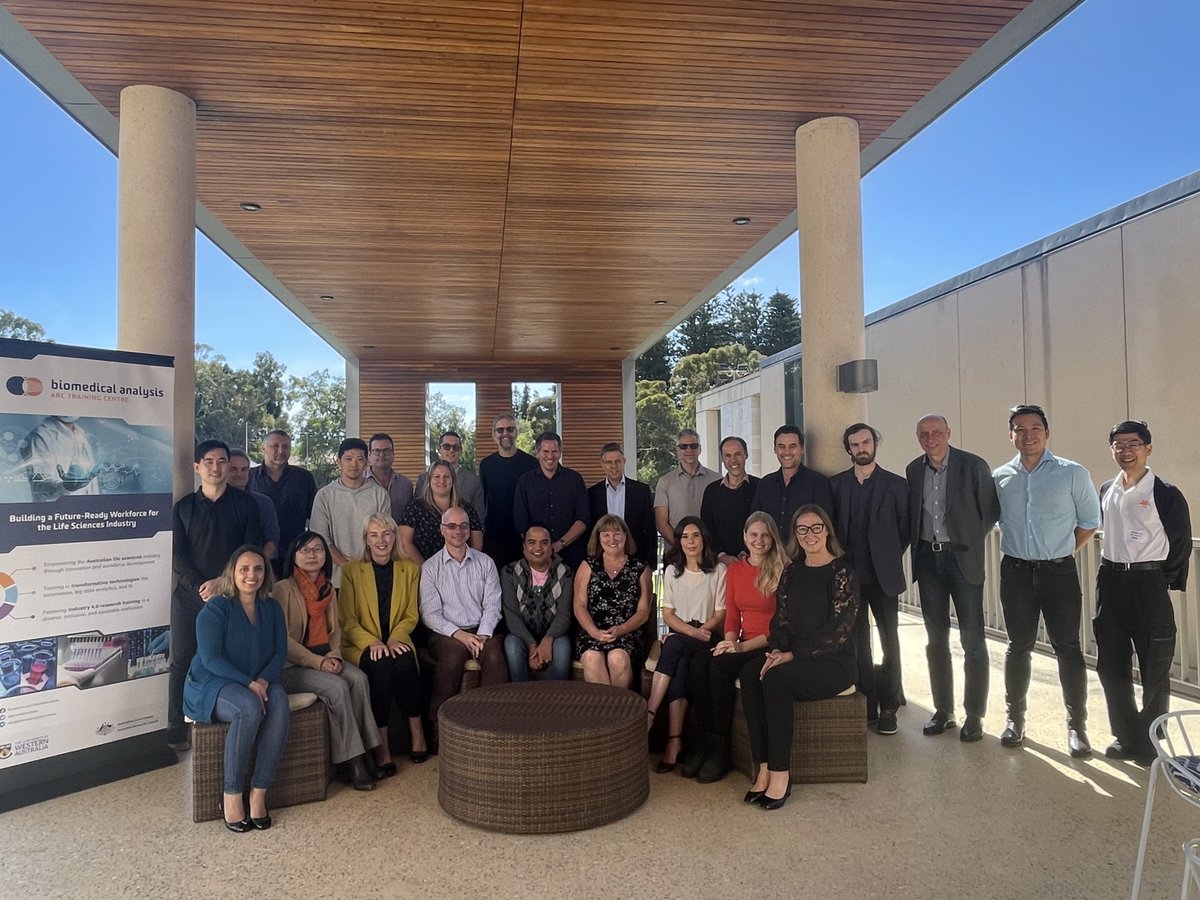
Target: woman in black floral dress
column 612, row 602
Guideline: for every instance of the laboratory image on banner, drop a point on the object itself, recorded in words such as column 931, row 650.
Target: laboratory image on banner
column 85, row 552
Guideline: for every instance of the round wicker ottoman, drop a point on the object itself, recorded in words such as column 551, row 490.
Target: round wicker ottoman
column 542, row 757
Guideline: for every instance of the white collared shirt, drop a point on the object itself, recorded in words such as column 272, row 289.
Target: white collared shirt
column 616, row 497
column 1133, row 531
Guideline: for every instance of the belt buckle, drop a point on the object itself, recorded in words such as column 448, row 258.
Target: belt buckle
column 939, row 546
column 1123, row 567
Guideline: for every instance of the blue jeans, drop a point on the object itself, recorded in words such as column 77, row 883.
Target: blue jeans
column 238, row 706
column 517, row 654
column 941, row 580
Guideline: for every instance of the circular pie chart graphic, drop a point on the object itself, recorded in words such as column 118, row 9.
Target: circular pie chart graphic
column 8, row 594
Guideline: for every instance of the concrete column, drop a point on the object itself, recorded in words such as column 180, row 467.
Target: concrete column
column 629, row 414
column 156, row 246
column 829, row 219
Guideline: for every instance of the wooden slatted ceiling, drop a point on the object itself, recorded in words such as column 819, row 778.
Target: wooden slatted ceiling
column 503, row 180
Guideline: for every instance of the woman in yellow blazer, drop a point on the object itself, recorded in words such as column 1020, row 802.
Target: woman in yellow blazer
column 378, row 607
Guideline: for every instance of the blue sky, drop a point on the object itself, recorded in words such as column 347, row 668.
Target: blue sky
column 1097, row 111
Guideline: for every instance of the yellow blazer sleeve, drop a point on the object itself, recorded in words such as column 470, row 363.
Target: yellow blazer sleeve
column 406, row 606
column 354, row 599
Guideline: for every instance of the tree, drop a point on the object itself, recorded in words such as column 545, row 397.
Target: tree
column 14, row 326
column 781, row 324
column 657, row 427
column 701, row 331
column 655, row 364
column 317, row 407
column 743, row 314
column 441, row 416
column 238, row 406
column 700, row 372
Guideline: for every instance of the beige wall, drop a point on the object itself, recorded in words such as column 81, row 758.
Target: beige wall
column 1105, row 329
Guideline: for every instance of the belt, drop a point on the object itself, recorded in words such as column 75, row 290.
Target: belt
column 1036, row 563
column 941, row 546
column 1133, row 567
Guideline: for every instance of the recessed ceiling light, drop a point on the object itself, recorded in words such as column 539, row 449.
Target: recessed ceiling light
column 250, row 207
column 660, row 302
column 327, row 297
column 741, row 220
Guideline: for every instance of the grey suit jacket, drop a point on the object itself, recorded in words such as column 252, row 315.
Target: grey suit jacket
column 972, row 507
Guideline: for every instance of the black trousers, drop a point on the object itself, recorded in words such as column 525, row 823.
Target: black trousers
column 883, row 691
column 1049, row 589
column 940, row 580
column 393, row 679
column 722, row 674
column 687, row 661
column 183, row 647
column 770, row 716
column 1134, row 615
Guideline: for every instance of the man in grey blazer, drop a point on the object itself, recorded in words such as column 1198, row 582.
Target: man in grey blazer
column 953, row 505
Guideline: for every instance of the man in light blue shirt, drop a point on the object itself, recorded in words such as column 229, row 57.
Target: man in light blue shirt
column 1048, row 510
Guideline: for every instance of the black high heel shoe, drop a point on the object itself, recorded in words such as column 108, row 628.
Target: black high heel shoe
column 664, row 767
column 753, row 796
column 419, row 756
column 236, row 827
column 771, row 804
column 261, row 824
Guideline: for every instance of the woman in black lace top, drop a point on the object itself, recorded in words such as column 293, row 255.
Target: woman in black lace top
column 811, row 650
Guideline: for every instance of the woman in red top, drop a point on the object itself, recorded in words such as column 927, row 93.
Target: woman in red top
column 750, row 585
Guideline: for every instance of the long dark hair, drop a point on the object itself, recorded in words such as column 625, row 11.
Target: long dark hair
column 677, row 558
column 289, row 557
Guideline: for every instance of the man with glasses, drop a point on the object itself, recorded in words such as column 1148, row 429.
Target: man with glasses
column 680, row 492
column 628, row 498
column 870, row 513
column 556, row 497
column 952, row 507
column 1146, row 548
column 291, row 488
column 784, row 491
column 499, row 473
column 381, row 453
column 460, row 604
column 1048, row 511
column 466, row 482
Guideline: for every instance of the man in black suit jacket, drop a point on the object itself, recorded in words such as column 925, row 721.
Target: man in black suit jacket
column 952, row 506
column 870, row 513
column 631, row 500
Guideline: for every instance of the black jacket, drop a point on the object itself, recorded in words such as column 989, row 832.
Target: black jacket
column 1176, row 522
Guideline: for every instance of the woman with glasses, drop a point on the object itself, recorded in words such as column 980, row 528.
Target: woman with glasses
column 750, row 586
column 314, row 659
column 421, row 525
column 810, row 650
column 612, row 603
column 378, row 609
column 241, row 644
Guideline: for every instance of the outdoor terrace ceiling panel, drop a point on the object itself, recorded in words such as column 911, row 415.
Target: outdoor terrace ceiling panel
column 506, row 179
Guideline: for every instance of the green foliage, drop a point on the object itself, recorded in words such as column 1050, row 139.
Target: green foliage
column 14, row 326
column 317, row 405
column 702, row 330
column 780, row 325
column 238, row 406
column 535, row 413
column 441, row 416
column 657, row 424
column 655, row 364
column 700, row 372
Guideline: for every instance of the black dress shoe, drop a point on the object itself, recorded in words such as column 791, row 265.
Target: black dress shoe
column 1116, row 751
column 1078, row 743
column 663, row 766
column 236, row 827
column 1013, row 735
column 972, row 730
column 360, row 778
column 373, row 768
column 693, row 760
column 770, row 804
column 261, row 824
column 939, row 724
column 388, row 769
column 753, row 796
column 419, row 756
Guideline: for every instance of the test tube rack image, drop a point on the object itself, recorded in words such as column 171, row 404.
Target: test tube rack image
column 27, row 667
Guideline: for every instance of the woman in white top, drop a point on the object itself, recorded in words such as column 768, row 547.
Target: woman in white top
column 693, row 610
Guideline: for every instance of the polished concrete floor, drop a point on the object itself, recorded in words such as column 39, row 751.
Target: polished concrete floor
column 937, row 818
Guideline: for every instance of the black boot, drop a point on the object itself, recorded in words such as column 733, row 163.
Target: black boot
column 360, row 778
column 695, row 755
column 719, row 762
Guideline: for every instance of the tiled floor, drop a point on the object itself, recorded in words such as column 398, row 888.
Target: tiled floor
column 937, row 818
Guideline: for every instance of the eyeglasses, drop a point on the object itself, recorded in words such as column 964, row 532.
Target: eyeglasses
column 511, row 429
column 688, row 446
column 802, row 530
column 382, row 451
column 451, row 448
column 456, row 526
column 311, row 551
column 1121, row 446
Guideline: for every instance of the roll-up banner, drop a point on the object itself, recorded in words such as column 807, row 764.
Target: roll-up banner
column 85, row 566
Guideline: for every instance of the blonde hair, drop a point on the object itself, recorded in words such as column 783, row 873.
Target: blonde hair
column 427, row 489
column 382, row 521
column 831, row 542
column 774, row 559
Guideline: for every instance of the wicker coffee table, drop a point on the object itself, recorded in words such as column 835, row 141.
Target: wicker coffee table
column 542, row 757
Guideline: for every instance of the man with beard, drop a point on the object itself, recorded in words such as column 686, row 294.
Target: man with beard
column 499, row 473
column 870, row 513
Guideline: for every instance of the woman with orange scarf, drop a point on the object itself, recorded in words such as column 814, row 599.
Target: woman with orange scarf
column 314, row 659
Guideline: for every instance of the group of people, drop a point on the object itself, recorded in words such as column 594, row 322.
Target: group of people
column 523, row 569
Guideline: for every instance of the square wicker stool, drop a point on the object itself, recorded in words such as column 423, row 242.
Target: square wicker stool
column 304, row 771
column 829, row 740
column 543, row 756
